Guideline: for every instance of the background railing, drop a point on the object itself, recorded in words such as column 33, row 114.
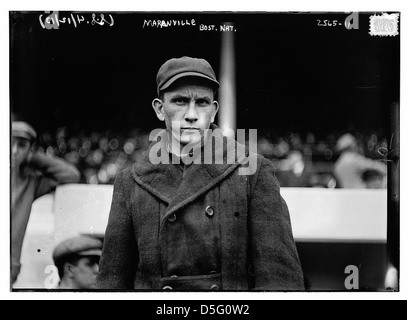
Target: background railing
column 333, row 228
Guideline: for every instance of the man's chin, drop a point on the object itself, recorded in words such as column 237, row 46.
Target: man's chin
column 190, row 142
column 191, row 139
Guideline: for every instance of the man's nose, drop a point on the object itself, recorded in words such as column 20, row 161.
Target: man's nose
column 96, row 268
column 14, row 148
column 191, row 115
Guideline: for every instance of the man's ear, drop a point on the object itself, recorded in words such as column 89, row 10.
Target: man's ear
column 158, row 108
column 68, row 270
column 215, row 112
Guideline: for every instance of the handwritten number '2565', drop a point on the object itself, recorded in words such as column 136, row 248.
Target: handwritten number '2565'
column 327, row 23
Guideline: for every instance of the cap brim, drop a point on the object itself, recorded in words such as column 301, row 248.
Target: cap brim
column 187, row 74
column 22, row 135
column 88, row 253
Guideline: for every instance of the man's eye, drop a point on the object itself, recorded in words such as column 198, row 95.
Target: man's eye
column 203, row 102
column 181, row 101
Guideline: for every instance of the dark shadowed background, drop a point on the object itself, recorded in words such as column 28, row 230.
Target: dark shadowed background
column 292, row 75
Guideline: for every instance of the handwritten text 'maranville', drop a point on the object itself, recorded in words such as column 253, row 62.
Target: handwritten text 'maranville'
column 168, row 23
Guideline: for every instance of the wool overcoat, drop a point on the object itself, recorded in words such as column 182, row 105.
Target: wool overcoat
column 204, row 227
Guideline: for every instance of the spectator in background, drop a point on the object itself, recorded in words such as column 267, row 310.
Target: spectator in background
column 77, row 260
column 351, row 165
column 32, row 175
column 293, row 172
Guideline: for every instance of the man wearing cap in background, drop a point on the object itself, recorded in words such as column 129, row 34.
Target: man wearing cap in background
column 32, row 176
column 77, row 260
column 197, row 226
column 353, row 170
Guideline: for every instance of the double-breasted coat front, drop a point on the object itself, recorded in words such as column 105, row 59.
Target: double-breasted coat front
column 199, row 227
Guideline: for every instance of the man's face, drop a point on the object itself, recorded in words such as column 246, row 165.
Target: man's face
column 188, row 109
column 85, row 273
column 20, row 149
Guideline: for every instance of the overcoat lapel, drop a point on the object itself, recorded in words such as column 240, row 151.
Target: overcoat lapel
column 165, row 181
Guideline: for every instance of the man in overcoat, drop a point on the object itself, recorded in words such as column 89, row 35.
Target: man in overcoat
column 182, row 222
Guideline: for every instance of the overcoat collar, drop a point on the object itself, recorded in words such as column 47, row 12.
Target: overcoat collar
column 166, row 182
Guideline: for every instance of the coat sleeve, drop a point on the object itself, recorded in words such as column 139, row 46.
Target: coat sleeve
column 54, row 171
column 275, row 261
column 119, row 259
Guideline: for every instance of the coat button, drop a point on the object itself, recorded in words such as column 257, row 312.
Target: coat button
column 167, row 288
column 209, row 211
column 172, row 218
column 215, row 287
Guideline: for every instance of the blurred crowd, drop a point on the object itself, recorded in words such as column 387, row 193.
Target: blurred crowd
column 311, row 162
column 98, row 156
column 300, row 161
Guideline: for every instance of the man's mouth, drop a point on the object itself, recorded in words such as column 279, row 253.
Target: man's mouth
column 189, row 129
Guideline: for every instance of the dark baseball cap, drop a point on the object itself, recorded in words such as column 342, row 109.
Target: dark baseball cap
column 20, row 129
column 81, row 246
column 177, row 68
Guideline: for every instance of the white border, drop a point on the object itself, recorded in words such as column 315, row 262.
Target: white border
column 175, row 5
